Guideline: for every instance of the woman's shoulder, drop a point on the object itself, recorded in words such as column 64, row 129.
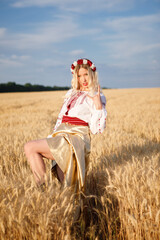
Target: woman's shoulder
column 69, row 93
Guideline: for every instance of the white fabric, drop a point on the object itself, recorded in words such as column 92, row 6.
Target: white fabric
column 85, row 110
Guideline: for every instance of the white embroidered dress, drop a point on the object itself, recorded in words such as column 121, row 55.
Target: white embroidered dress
column 82, row 107
column 70, row 144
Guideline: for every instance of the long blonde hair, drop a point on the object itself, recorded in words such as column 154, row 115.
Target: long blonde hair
column 93, row 79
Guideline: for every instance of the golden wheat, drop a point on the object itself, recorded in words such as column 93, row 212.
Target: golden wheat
column 122, row 195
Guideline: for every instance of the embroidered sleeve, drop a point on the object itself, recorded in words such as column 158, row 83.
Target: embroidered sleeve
column 58, row 123
column 62, row 111
column 98, row 119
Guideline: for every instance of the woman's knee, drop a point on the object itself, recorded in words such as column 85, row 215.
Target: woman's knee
column 28, row 148
column 38, row 147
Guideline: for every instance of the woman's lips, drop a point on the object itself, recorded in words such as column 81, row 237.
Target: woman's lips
column 85, row 84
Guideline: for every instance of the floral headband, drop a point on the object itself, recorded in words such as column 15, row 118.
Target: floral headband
column 82, row 61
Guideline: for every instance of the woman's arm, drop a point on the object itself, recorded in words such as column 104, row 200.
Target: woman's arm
column 97, row 99
column 99, row 113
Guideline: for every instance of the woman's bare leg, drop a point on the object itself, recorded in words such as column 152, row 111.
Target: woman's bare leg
column 35, row 151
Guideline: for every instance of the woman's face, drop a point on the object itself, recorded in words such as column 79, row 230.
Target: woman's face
column 83, row 79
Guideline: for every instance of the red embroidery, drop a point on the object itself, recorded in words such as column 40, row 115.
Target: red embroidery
column 72, row 101
column 83, row 99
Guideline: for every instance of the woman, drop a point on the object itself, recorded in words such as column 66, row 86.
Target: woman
column 68, row 146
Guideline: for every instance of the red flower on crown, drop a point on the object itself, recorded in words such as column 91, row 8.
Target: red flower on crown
column 80, row 62
column 72, row 67
column 89, row 63
column 83, row 61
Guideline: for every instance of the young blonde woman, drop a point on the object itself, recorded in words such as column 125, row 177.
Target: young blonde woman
column 68, row 147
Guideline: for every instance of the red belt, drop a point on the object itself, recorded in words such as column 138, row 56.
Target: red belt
column 73, row 121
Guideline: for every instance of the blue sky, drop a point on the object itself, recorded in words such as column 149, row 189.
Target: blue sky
column 39, row 40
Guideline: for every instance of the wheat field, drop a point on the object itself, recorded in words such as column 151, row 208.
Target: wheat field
column 121, row 199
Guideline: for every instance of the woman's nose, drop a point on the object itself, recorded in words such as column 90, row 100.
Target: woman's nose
column 84, row 78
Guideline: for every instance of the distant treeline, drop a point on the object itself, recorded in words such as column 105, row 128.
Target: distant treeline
column 28, row 87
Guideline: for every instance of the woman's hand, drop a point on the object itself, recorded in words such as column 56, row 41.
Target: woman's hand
column 97, row 99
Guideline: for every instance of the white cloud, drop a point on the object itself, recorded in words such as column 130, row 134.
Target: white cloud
column 10, row 63
column 50, row 62
column 20, row 58
column 132, row 23
column 42, row 35
column 77, row 52
column 78, row 6
column 13, row 60
column 130, row 39
column 2, row 32
column 45, row 33
column 29, row 3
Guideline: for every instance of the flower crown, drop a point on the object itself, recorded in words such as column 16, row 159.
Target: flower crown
column 82, row 61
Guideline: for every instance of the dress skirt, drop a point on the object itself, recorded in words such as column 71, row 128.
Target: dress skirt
column 70, row 147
